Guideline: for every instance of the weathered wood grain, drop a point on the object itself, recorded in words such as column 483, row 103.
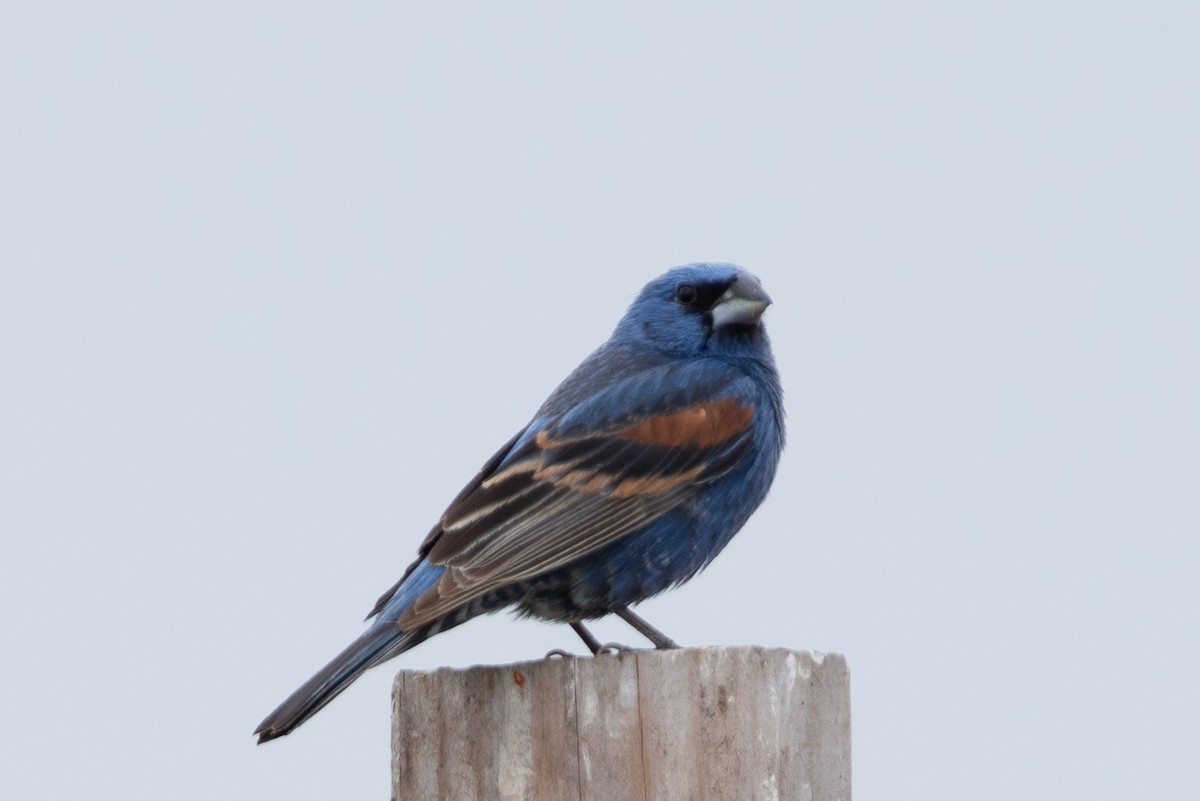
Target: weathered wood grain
column 699, row 724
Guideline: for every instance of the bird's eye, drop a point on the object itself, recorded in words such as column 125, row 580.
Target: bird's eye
column 686, row 294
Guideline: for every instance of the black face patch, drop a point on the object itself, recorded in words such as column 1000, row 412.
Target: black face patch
column 700, row 297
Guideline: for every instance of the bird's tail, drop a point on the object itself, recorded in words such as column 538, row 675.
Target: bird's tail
column 379, row 643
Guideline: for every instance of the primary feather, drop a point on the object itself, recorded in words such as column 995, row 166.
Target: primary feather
column 633, row 475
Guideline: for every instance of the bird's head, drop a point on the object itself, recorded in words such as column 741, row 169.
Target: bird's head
column 697, row 309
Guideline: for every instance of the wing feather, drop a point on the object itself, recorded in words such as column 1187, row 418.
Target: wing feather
column 555, row 496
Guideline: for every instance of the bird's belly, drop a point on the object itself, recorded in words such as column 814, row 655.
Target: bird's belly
column 665, row 553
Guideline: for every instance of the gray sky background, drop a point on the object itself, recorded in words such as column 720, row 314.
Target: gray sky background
column 277, row 278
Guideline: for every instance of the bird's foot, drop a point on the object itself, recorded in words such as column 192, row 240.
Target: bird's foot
column 652, row 634
column 559, row 653
column 614, row 648
column 588, row 638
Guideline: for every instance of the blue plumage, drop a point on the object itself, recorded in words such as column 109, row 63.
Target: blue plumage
column 632, row 476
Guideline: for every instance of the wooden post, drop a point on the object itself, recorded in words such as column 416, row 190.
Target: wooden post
column 696, row 724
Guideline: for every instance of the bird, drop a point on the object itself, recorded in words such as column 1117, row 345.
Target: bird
column 632, row 476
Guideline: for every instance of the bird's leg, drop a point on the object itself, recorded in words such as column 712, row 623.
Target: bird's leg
column 588, row 638
column 652, row 634
column 594, row 645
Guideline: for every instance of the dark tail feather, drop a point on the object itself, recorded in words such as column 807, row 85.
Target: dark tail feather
column 377, row 644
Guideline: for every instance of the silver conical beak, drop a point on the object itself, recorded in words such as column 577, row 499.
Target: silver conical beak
column 742, row 304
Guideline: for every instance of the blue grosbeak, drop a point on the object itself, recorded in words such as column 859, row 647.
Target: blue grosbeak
column 633, row 475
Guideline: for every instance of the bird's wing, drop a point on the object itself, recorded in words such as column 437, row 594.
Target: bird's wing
column 578, row 481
